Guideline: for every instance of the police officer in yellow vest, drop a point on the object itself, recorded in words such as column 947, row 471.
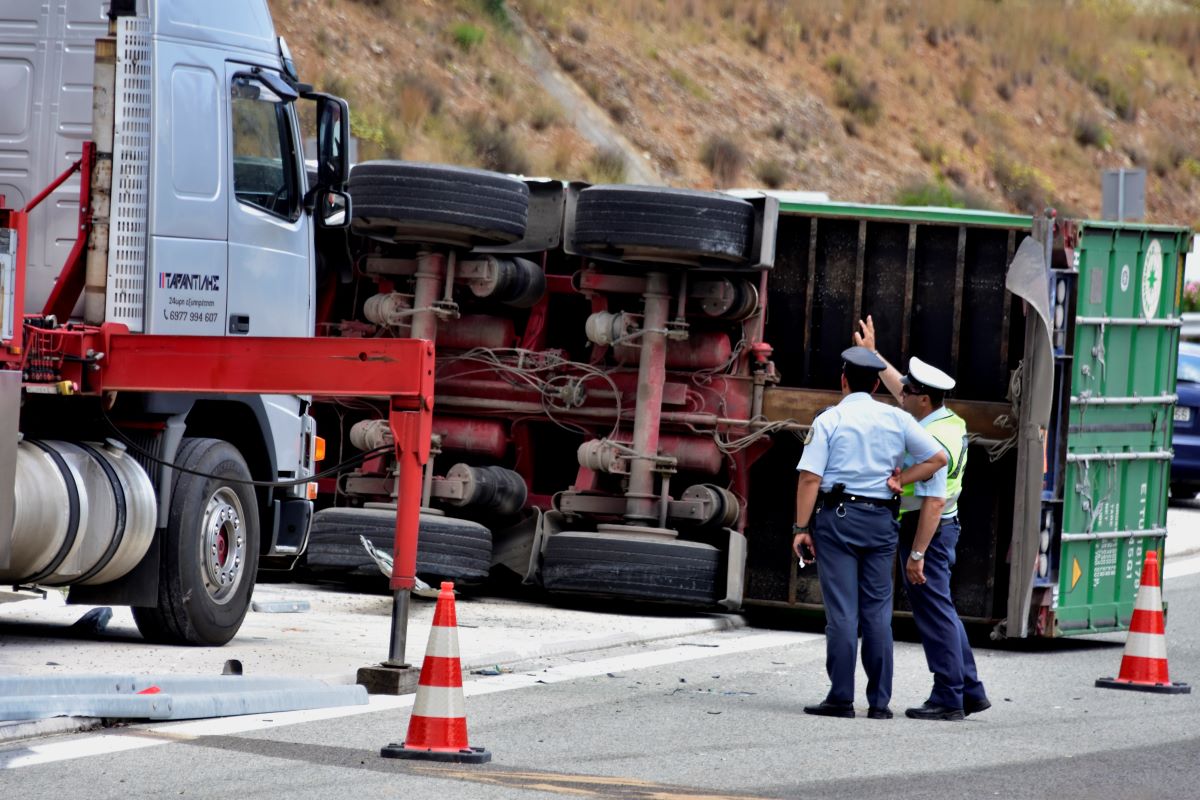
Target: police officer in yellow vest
column 846, row 519
column 928, row 553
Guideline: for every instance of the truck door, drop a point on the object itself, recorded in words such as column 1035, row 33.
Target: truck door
column 270, row 277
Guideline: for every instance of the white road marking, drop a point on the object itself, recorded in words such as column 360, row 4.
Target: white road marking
column 166, row 733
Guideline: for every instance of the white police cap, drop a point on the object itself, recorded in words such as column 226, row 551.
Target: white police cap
column 927, row 375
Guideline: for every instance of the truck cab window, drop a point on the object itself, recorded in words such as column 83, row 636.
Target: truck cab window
column 264, row 155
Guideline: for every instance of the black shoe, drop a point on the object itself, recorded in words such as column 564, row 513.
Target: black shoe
column 825, row 709
column 879, row 713
column 975, row 706
column 933, row 711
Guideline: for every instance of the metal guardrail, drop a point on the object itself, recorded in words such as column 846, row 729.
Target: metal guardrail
column 1191, row 325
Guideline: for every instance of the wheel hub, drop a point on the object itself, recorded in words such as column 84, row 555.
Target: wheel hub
column 222, row 546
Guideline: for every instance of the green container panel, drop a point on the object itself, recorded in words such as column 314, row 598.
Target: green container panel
column 1126, row 272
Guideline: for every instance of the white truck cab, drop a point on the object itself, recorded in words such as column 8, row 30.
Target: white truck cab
column 202, row 224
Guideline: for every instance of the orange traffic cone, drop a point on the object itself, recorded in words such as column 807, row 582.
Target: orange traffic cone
column 1144, row 665
column 437, row 730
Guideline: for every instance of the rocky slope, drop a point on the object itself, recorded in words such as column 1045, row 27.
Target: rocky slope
column 1006, row 104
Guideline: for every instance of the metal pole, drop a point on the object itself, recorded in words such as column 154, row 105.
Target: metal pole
column 399, row 638
column 431, row 268
column 652, row 370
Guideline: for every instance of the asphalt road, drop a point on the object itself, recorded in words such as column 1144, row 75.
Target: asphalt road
column 687, row 719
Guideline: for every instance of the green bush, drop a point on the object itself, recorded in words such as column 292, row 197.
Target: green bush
column 467, row 36
column 1089, row 132
column 928, row 193
column 1190, row 300
column 1026, row 187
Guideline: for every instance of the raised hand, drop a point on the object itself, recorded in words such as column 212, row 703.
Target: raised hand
column 865, row 335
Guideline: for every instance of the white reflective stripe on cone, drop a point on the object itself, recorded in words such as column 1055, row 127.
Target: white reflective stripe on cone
column 1146, row 645
column 439, row 701
column 1149, row 598
column 443, row 642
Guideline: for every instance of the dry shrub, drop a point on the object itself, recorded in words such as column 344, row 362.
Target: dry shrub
column 723, row 158
column 860, row 99
column 1026, row 187
column 772, row 172
column 495, row 146
column 417, row 96
column 607, row 165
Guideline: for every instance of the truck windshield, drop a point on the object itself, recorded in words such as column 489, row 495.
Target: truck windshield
column 263, row 151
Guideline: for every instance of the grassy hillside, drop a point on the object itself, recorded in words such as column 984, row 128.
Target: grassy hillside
column 1008, row 104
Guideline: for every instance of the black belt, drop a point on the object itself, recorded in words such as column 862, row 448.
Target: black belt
column 833, row 501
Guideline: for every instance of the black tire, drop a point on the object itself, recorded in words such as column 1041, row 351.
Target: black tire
column 209, row 552
column 596, row 563
column 455, row 549
column 1183, row 491
column 433, row 203
column 647, row 223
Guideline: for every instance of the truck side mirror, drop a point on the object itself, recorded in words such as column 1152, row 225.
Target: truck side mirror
column 333, row 139
column 333, row 208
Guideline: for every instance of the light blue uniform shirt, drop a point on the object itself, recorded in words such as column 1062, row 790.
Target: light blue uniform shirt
column 860, row 441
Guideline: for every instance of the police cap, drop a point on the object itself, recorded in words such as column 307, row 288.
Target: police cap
column 864, row 358
column 921, row 375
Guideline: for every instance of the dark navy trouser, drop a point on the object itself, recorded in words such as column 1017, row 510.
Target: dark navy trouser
column 856, row 548
column 947, row 650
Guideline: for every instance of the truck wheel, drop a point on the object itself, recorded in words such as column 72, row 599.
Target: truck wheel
column 620, row 566
column 455, row 549
column 209, row 552
column 408, row 201
column 1182, row 491
column 655, row 224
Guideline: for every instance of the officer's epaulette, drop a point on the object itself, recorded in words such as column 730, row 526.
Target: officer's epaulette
column 808, row 435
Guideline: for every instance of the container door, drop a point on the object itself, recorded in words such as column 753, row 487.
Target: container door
column 270, row 279
column 1122, row 393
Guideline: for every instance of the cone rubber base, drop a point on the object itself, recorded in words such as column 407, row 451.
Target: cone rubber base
column 1161, row 688
column 471, row 755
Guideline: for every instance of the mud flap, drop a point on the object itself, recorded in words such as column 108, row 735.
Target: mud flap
column 735, row 572
column 1028, row 277
column 518, row 547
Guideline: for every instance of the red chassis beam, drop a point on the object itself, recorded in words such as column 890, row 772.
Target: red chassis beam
column 398, row 369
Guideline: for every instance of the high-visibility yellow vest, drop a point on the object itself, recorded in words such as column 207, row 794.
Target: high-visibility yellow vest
column 950, row 430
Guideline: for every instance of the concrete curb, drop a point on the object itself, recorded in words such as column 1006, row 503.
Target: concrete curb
column 25, row 730
column 21, row 730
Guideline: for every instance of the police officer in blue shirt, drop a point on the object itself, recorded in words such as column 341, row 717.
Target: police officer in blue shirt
column 928, row 553
column 846, row 516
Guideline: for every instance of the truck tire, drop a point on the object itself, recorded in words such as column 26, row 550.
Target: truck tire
column 656, row 224
column 432, row 203
column 209, row 549
column 621, row 566
column 1183, row 491
column 450, row 548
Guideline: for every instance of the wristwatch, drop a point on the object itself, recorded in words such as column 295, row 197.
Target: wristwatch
column 916, row 555
column 798, row 528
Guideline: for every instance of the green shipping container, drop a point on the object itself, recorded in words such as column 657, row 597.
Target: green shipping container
column 1118, row 358
column 1063, row 337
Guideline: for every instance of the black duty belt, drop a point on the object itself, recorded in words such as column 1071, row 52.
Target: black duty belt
column 830, row 500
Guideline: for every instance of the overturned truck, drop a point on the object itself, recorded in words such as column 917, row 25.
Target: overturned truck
column 624, row 375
